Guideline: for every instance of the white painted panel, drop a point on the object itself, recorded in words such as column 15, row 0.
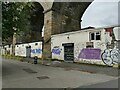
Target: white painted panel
column 36, row 50
column 116, row 31
column 79, row 38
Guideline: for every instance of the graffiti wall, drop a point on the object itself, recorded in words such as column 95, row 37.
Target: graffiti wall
column 108, row 56
column 36, row 51
column 104, row 51
column 90, row 53
column 111, row 56
column 56, row 50
column 96, row 46
column 77, row 49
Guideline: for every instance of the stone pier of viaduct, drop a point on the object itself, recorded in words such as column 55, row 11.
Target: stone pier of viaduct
column 60, row 17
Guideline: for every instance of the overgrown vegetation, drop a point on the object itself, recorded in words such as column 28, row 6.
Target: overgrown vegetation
column 21, row 18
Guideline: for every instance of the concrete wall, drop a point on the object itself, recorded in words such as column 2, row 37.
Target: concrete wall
column 81, row 39
column 20, row 50
column 36, row 49
column 8, row 49
column 116, row 30
column 2, row 51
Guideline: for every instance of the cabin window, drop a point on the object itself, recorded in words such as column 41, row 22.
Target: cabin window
column 92, row 36
column 98, row 36
column 95, row 36
column 89, row 45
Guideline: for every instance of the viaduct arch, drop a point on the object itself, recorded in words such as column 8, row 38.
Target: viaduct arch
column 60, row 17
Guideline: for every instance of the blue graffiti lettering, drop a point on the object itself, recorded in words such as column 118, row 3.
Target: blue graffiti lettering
column 56, row 51
column 33, row 51
column 37, row 51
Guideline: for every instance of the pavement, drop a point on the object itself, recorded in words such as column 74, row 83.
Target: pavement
column 16, row 74
column 107, row 70
column 110, row 84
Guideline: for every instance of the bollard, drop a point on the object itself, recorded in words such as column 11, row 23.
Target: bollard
column 35, row 59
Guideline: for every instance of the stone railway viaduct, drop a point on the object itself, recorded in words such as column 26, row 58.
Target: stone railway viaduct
column 60, row 17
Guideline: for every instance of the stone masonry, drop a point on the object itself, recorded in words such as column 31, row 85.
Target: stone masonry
column 60, row 18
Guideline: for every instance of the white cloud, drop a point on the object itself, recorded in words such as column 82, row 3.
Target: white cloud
column 101, row 14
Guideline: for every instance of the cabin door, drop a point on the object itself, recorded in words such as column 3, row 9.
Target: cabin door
column 28, row 51
column 69, row 52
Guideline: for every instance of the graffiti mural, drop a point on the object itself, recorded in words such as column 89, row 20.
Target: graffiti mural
column 78, row 48
column 115, row 55
column 111, row 56
column 56, row 50
column 37, row 51
column 90, row 53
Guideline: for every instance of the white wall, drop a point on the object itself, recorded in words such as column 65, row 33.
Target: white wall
column 2, row 51
column 20, row 50
column 36, row 50
column 116, row 30
column 8, row 49
column 79, row 38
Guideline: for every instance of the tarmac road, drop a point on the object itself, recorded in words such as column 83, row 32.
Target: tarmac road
column 18, row 74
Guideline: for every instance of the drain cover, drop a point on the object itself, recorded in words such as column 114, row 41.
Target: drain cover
column 29, row 70
column 43, row 77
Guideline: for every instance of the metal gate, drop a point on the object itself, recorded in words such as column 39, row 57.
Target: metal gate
column 68, row 51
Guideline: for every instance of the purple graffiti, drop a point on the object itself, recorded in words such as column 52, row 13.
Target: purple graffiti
column 56, row 51
column 90, row 53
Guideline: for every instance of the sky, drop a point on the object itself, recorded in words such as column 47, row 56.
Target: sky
column 101, row 14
